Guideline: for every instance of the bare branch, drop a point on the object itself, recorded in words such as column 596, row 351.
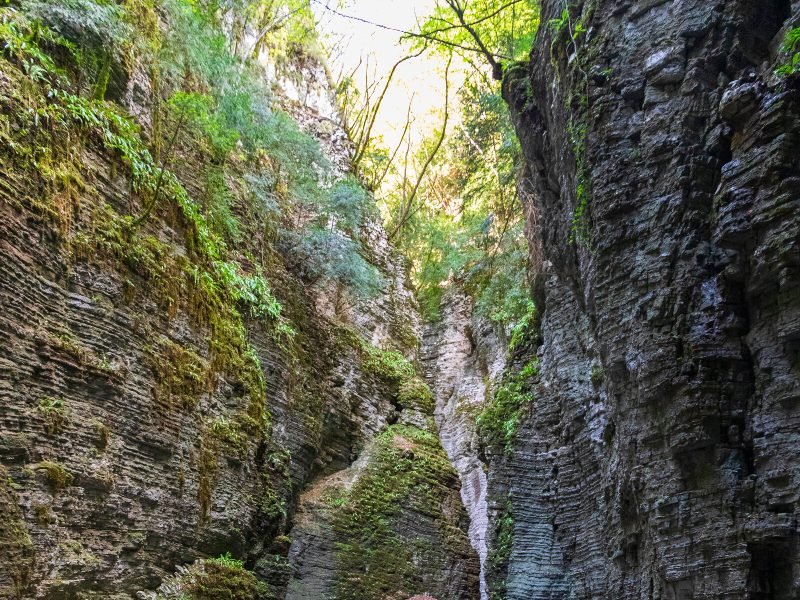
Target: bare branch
column 408, row 204
column 410, row 34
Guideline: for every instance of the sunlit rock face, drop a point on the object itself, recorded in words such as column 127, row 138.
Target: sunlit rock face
column 463, row 355
column 660, row 456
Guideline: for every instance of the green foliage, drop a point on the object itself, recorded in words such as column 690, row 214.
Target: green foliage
column 95, row 29
column 563, row 25
column 388, row 364
column 499, row 420
column 236, row 114
column 469, row 227
column 525, row 328
column 568, row 29
column 286, row 28
column 102, row 433
column 220, row 578
column 200, row 111
column 14, row 539
column 208, row 93
column 88, row 24
column 326, row 253
column 415, row 394
column 226, row 560
column 598, row 376
column 228, row 433
column 181, row 376
column 54, row 413
column 21, row 39
column 580, row 231
column 791, row 48
column 507, row 31
column 56, row 474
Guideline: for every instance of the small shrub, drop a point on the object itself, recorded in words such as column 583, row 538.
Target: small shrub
column 598, row 376
column 272, row 504
column 54, row 413
column 525, row 328
column 102, row 434
column 791, row 47
column 57, row 476
column 44, row 516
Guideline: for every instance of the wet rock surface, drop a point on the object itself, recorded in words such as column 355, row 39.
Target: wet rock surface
column 659, row 459
column 463, row 355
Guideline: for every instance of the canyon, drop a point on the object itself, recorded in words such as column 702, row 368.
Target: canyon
column 161, row 440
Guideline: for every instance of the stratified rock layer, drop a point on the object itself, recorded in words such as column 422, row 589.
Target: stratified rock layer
column 660, row 457
column 135, row 434
column 463, row 355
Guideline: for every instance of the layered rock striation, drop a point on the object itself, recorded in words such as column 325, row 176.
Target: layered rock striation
column 463, row 355
column 659, row 457
column 149, row 422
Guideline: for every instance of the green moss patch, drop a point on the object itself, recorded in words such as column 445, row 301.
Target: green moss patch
column 181, row 375
column 223, row 578
column 56, row 474
column 54, row 413
column 393, row 368
column 408, row 471
column 499, row 420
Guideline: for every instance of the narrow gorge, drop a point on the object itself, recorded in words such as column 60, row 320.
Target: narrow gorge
column 272, row 331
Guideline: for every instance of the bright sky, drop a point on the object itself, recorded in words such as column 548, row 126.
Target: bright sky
column 420, row 78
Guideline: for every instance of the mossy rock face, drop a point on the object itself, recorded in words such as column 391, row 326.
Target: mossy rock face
column 181, row 375
column 221, row 578
column 16, row 547
column 396, row 538
column 55, row 473
column 499, row 420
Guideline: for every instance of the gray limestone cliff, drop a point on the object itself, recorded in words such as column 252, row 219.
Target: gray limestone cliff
column 659, row 458
column 464, row 355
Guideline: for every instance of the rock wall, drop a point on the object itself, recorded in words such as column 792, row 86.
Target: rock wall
column 660, row 456
column 145, row 425
column 463, row 355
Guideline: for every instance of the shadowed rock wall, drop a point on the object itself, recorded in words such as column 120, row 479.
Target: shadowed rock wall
column 660, row 457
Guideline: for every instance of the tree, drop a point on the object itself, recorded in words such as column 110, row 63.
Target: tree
column 497, row 33
column 463, row 220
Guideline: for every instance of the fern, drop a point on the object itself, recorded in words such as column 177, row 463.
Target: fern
column 791, row 47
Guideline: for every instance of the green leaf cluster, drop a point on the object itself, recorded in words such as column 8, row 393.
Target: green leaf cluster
column 791, row 48
column 507, row 29
column 469, row 225
column 499, row 421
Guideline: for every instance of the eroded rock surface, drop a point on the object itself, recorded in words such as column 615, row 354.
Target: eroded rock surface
column 659, row 459
column 145, row 425
column 463, row 354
